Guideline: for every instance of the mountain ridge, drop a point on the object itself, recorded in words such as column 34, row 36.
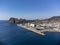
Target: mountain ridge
column 52, row 19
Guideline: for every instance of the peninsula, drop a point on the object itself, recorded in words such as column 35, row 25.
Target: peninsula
column 38, row 26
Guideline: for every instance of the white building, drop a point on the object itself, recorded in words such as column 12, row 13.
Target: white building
column 52, row 26
column 32, row 25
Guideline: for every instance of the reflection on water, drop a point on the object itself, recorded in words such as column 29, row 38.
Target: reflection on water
column 11, row 34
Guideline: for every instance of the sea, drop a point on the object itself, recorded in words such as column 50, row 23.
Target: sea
column 11, row 34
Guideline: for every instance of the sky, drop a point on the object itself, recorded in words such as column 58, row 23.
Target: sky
column 29, row 9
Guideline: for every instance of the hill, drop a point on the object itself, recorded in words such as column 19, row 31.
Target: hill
column 37, row 21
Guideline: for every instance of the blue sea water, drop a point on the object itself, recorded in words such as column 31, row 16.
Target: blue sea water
column 11, row 34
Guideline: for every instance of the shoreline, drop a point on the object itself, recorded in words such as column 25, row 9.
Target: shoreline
column 40, row 32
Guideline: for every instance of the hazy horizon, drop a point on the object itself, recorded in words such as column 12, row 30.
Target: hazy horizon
column 29, row 9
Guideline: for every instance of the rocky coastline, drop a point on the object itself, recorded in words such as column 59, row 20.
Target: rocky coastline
column 55, row 21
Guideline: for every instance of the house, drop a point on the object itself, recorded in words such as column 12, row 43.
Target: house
column 32, row 25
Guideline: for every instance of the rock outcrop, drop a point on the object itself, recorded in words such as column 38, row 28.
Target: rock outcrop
column 14, row 20
column 17, row 21
column 11, row 20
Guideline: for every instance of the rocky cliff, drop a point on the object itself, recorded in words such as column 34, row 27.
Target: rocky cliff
column 14, row 20
column 18, row 21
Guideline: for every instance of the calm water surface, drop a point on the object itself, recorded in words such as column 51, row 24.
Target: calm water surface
column 11, row 34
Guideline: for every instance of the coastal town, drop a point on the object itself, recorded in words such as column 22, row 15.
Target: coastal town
column 40, row 26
